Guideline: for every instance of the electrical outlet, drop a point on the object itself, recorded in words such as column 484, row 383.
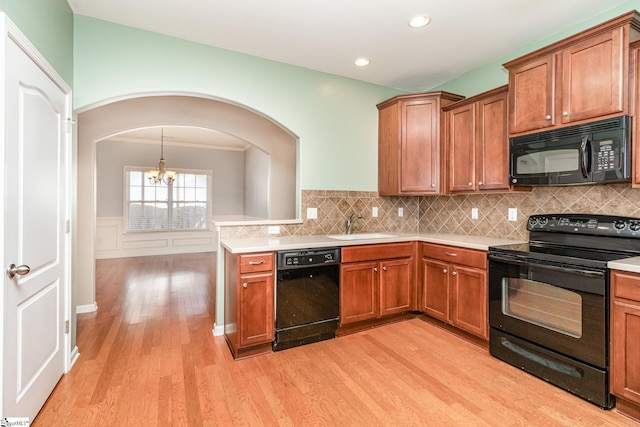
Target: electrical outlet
column 312, row 213
column 513, row 214
column 274, row 229
column 374, row 212
column 474, row 213
column 400, row 212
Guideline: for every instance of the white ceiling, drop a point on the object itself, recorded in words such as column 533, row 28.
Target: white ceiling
column 327, row 35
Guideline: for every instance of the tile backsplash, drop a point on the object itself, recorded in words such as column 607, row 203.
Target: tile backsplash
column 449, row 213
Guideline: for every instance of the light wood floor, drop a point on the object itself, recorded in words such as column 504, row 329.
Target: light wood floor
column 148, row 358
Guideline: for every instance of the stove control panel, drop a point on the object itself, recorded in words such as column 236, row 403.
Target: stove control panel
column 603, row 225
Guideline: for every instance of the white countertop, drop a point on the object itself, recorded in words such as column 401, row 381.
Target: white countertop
column 278, row 243
column 629, row 264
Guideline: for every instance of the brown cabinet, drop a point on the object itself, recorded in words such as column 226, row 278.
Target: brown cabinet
column 376, row 281
column 635, row 138
column 249, row 287
column 409, row 143
column 454, row 287
column 477, row 145
column 580, row 78
column 625, row 341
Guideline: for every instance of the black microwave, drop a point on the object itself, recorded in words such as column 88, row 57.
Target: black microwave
column 596, row 152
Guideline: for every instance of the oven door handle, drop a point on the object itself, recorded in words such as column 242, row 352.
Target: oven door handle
column 522, row 261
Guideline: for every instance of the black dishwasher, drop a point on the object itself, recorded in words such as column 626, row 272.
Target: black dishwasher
column 307, row 297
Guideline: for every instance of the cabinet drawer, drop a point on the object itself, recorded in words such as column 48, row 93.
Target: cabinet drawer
column 456, row 255
column 251, row 263
column 626, row 285
column 377, row 252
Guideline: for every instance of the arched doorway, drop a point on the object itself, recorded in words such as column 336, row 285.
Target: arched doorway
column 103, row 121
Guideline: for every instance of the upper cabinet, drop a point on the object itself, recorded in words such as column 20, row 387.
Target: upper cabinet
column 577, row 79
column 409, row 143
column 477, row 144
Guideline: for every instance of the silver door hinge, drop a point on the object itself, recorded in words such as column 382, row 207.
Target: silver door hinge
column 66, row 326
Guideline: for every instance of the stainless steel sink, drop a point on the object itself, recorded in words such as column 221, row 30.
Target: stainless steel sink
column 360, row 236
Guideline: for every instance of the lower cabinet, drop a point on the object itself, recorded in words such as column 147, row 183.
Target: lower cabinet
column 249, row 290
column 454, row 287
column 625, row 341
column 376, row 281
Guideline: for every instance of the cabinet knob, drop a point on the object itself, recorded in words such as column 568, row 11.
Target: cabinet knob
column 384, row 268
column 433, row 185
column 471, row 183
column 479, row 182
column 444, row 271
column 565, row 113
column 454, row 273
column 375, row 269
column 548, row 117
column 244, row 285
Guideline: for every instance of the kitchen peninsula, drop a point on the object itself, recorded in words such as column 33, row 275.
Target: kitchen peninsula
column 249, row 282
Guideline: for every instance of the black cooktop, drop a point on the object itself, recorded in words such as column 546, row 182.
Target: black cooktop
column 577, row 239
column 565, row 255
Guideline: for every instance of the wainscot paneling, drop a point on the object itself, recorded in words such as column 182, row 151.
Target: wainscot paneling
column 113, row 242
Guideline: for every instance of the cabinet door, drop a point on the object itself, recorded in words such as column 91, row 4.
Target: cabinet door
column 461, row 131
column 531, row 95
column 435, row 289
column 625, row 376
column 420, row 146
column 625, row 333
column 492, row 144
column 592, row 77
column 358, row 291
column 388, row 152
column 469, row 300
column 396, row 287
column 255, row 301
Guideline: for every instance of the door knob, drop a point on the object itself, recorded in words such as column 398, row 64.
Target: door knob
column 20, row 270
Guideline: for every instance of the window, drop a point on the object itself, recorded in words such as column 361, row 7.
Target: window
column 183, row 205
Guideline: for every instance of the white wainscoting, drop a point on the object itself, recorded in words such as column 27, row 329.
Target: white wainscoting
column 113, row 242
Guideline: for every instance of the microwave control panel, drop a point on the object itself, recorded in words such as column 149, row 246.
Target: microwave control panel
column 607, row 156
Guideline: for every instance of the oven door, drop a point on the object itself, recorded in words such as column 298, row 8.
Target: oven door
column 562, row 308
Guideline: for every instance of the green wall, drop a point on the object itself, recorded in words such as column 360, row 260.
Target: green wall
column 493, row 74
column 48, row 24
column 334, row 117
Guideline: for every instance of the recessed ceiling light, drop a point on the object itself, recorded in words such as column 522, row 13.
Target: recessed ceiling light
column 362, row 62
column 419, row 21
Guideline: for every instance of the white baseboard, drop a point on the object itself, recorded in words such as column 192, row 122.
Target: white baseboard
column 218, row 330
column 73, row 357
column 89, row 308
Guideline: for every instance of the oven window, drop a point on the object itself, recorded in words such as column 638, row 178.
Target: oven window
column 542, row 304
column 550, row 161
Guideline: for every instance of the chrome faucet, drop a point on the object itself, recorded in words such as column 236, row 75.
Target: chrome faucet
column 351, row 220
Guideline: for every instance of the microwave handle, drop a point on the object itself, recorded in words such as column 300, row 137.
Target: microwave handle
column 585, row 156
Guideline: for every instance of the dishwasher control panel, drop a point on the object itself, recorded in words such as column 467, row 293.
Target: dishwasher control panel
column 308, row 258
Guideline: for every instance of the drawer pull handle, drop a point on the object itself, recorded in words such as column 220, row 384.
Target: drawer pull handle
column 244, row 285
column 256, row 262
column 451, row 254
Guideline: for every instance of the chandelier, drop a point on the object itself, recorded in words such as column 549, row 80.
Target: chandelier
column 161, row 174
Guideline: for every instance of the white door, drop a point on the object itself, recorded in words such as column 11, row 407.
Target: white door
column 36, row 211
